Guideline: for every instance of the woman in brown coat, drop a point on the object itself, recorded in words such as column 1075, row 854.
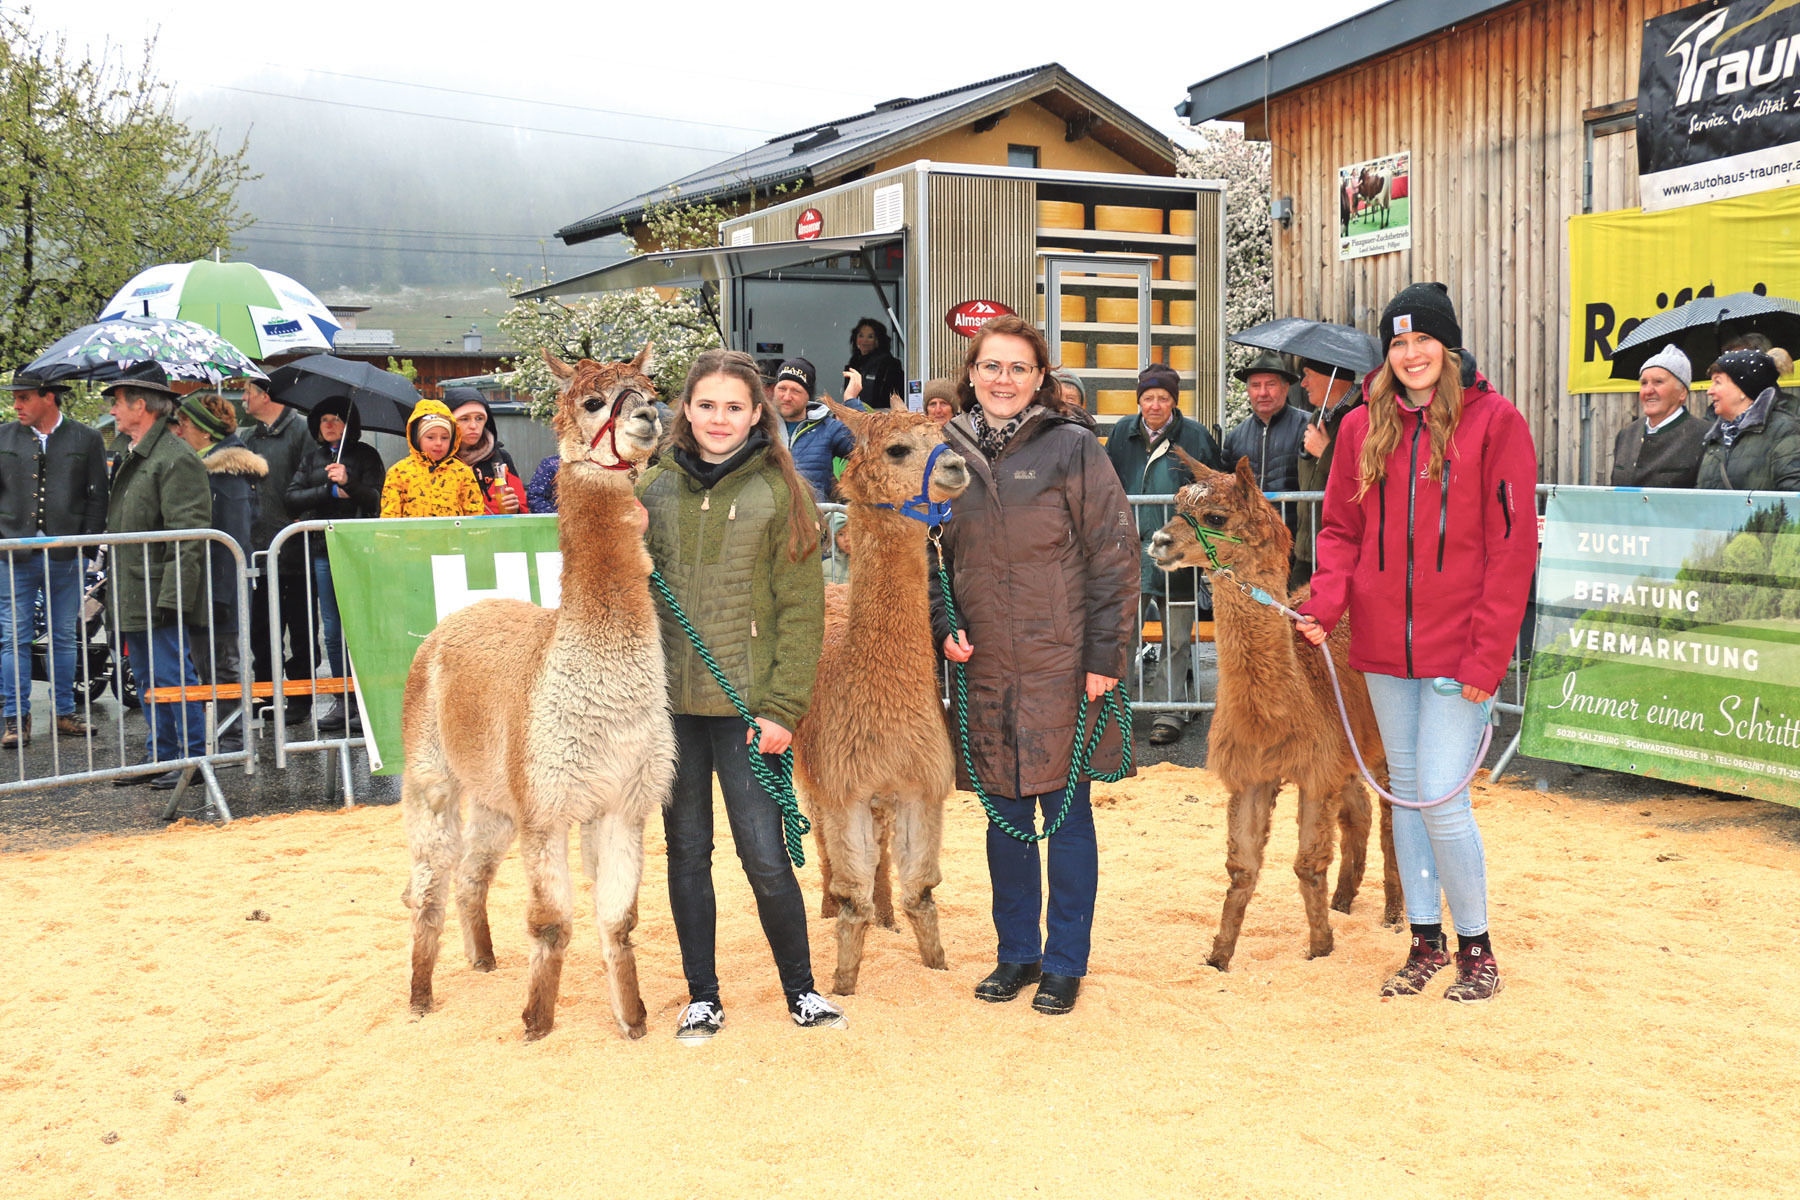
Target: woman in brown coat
column 1042, row 553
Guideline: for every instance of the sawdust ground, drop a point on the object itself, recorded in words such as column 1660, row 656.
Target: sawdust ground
column 157, row 1042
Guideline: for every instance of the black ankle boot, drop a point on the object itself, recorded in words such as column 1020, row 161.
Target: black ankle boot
column 1006, row 981
column 1056, row 994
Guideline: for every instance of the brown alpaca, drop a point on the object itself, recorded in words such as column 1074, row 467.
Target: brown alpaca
column 872, row 754
column 1277, row 721
column 545, row 718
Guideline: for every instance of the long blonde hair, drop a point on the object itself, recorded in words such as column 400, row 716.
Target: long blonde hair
column 1441, row 418
column 803, row 524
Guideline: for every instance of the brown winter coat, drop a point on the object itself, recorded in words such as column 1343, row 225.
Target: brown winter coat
column 1043, row 559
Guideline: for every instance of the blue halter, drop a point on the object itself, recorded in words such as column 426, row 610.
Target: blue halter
column 922, row 507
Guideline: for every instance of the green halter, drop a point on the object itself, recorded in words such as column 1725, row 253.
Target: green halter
column 1206, row 537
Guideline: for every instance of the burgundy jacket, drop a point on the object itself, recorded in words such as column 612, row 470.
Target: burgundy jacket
column 1435, row 575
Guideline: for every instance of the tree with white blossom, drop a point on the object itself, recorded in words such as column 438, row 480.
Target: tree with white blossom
column 1224, row 153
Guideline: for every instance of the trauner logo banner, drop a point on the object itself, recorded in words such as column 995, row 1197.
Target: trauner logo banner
column 1718, row 109
column 1628, row 265
column 1668, row 638
column 396, row 579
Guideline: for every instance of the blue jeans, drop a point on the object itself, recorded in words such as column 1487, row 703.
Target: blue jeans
column 704, row 745
column 1074, row 881
column 32, row 575
column 1430, row 741
column 160, row 657
column 326, row 597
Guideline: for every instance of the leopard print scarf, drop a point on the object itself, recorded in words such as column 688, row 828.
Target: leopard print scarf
column 991, row 440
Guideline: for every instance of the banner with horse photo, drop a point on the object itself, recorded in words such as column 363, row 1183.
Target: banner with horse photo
column 395, row 580
column 1668, row 638
column 1628, row 265
column 1375, row 206
column 1718, row 113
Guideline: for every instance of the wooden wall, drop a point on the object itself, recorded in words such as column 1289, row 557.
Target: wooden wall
column 1492, row 112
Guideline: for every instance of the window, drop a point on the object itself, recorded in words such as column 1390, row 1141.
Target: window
column 1021, row 156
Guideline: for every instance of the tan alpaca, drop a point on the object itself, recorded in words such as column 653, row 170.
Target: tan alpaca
column 545, row 718
column 1276, row 720
column 872, row 754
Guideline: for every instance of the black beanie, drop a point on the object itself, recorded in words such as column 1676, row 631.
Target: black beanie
column 1158, row 376
column 802, row 372
column 459, row 397
column 1422, row 308
column 1751, row 370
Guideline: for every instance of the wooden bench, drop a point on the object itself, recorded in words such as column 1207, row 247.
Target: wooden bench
column 1153, row 633
column 201, row 693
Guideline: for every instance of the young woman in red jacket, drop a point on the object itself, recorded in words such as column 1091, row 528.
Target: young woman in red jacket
column 1429, row 544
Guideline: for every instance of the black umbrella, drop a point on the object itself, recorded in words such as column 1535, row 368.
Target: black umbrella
column 1334, row 345
column 382, row 399
column 1699, row 327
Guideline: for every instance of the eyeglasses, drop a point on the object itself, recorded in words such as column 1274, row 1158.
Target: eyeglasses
column 990, row 370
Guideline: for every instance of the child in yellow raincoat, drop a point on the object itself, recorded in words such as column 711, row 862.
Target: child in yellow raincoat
column 431, row 481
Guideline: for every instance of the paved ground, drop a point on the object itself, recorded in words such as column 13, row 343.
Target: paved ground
column 35, row 817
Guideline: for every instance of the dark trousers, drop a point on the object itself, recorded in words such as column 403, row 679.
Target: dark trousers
column 298, row 627
column 159, row 658
column 1074, row 881
column 704, row 745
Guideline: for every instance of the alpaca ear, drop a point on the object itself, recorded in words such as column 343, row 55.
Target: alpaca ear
column 558, row 367
column 645, row 362
column 1193, row 465
column 855, row 418
column 1245, row 476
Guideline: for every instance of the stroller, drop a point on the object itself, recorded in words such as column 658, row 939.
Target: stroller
column 96, row 668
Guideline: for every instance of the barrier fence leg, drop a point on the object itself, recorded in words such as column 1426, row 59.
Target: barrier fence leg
column 1506, row 755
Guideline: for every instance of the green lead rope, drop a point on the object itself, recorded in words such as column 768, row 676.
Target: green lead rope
column 1116, row 707
column 779, row 784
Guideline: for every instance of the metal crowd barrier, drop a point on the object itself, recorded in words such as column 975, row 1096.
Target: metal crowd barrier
column 103, row 665
column 338, row 731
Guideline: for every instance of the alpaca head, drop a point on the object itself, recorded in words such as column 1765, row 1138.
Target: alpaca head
column 892, row 449
column 606, row 415
column 1231, row 505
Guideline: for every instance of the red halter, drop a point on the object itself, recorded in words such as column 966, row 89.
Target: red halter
column 610, row 430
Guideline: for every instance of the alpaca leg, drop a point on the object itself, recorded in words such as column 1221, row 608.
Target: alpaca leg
column 1248, row 819
column 545, row 855
column 884, row 867
column 855, row 853
column 618, row 842
column 828, row 903
column 918, row 837
column 1353, row 823
column 490, row 833
column 1312, row 865
column 434, row 832
column 1393, row 909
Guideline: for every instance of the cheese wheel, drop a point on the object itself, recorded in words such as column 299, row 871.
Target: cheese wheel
column 1182, row 266
column 1128, row 220
column 1074, row 354
column 1181, row 221
column 1123, row 310
column 1116, row 356
column 1181, row 357
column 1181, row 312
column 1109, row 403
column 1061, row 214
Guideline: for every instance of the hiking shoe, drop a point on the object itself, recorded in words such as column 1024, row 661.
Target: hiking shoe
column 18, row 731
column 1165, row 731
column 1477, row 977
column 73, row 726
column 699, row 1021
column 812, row 1011
column 1424, row 960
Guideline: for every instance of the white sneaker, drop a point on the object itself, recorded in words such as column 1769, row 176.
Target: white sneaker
column 699, row 1021
column 812, row 1011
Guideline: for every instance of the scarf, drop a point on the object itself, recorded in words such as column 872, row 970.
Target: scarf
column 704, row 475
column 992, row 441
column 474, row 456
column 1756, row 414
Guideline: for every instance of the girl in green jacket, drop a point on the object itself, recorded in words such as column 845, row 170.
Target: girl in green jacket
column 734, row 533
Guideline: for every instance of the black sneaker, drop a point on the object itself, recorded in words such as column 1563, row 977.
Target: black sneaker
column 813, row 1011
column 699, row 1021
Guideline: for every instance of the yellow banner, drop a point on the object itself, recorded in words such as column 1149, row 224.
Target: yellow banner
column 1627, row 265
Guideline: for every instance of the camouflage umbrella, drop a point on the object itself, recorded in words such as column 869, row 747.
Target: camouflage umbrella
column 107, row 350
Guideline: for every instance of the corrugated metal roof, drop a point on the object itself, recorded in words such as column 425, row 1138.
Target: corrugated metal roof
column 819, row 154
column 1362, row 37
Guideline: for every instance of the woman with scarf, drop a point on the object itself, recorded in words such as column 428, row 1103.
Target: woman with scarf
column 1428, row 542
column 480, row 450
column 734, row 533
column 1043, row 563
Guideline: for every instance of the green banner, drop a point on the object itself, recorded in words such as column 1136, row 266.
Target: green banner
column 396, row 579
column 1668, row 637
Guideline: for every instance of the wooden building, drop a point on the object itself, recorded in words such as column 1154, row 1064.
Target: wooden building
column 1518, row 115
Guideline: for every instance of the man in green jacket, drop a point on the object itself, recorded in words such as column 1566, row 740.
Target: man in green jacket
column 158, row 587
column 1139, row 449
